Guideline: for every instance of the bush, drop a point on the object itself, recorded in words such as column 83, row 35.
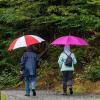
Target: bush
column 7, row 79
column 8, row 74
column 47, row 76
column 92, row 71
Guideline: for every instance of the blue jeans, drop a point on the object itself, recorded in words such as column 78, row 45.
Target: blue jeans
column 28, row 80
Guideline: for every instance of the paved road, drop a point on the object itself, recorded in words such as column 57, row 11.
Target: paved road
column 47, row 95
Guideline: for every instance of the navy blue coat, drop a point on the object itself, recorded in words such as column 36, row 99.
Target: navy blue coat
column 28, row 62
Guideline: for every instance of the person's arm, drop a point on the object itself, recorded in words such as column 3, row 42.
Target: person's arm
column 74, row 59
column 60, row 60
column 23, row 60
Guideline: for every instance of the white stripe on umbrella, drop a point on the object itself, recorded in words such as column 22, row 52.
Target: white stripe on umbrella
column 25, row 41
column 20, row 43
column 37, row 38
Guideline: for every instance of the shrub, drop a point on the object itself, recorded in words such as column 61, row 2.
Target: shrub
column 8, row 74
column 92, row 71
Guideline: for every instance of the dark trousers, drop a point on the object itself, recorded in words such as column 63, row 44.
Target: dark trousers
column 67, row 77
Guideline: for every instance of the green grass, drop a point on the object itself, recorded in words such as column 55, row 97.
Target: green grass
column 3, row 97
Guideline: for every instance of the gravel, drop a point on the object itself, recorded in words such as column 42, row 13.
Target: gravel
column 47, row 95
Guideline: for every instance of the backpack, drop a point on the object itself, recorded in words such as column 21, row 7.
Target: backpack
column 68, row 60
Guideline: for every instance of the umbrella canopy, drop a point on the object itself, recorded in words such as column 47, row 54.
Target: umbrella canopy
column 25, row 41
column 69, row 40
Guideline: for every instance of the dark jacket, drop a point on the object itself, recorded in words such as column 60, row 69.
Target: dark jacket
column 28, row 63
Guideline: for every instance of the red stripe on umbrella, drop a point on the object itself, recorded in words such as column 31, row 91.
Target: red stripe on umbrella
column 12, row 45
column 30, row 40
column 25, row 41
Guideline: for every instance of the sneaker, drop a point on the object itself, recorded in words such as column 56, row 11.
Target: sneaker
column 71, row 91
column 34, row 92
column 27, row 95
column 64, row 94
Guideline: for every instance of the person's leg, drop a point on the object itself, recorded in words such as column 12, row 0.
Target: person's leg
column 64, row 87
column 33, row 82
column 27, row 87
column 64, row 83
column 69, row 83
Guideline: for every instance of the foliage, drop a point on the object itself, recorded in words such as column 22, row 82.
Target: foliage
column 47, row 76
column 8, row 74
column 74, row 17
column 89, row 60
column 6, row 80
column 48, row 73
column 49, row 19
column 92, row 71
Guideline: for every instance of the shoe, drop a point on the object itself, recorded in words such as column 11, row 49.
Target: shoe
column 71, row 91
column 27, row 95
column 64, row 94
column 34, row 92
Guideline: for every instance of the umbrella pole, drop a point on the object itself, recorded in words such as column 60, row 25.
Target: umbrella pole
column 23, row 33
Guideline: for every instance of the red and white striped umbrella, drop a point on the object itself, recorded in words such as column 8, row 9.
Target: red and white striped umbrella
column 25, row 41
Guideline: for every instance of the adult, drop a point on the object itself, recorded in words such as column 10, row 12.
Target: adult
column 67, row 70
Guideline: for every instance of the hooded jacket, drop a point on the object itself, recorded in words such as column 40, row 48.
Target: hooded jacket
column 63, row 57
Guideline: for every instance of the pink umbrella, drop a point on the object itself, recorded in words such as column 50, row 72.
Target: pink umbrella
column 25, row 41
column 69, row 40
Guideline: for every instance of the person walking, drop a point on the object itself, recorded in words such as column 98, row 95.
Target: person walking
column 66, row 63
column 28, row 69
